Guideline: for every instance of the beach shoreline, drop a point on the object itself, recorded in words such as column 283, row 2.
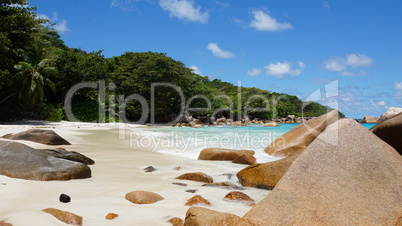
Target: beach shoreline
column 118, row 170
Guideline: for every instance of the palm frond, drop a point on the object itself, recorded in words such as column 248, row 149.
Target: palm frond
column 49, row 71
column 36, row 75
column 23, row 66
column 50, row 84
column 40, row 92
column 43, row 63
column 33, row 86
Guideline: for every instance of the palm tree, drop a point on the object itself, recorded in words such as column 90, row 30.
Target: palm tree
column 31, row 76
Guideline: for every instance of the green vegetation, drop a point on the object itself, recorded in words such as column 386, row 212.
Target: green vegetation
column 37, row 70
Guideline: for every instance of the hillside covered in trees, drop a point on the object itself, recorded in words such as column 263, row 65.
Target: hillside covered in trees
column 37, row 70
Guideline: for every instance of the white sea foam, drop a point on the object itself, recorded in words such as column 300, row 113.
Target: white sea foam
column 188, row 142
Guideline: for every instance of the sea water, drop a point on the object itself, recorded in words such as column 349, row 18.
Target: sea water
column 188, row 142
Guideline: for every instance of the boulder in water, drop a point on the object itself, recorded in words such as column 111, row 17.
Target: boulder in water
column 369, row 119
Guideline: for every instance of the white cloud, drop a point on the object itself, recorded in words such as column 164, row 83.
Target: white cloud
column 264, row 22
column 61, row 25
column 218, row 52
column 352, row 73
column 344, row 65
column 223, row 4
column 334, row 64
column 43, row 16
column 381, row 103
column 398, row 85
column 196, row 70
column 326, row 5
column 398, row 88
column 280, row 70
column 254, row 72
column 358, row 60
column 378, row 104
column 184, row 10
column 126, row 5
column 237, row 20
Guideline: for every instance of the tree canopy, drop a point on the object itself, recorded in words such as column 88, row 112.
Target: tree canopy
column 41, row 69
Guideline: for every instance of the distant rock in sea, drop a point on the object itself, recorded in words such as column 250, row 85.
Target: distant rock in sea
column 271, row 124
column 39, row 136
column 356, row 181
column 369, row 119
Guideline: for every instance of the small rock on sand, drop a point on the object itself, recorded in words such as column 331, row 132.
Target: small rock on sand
column 64, row 216
column 64, row 198
column 143, row 197
column 111, row 216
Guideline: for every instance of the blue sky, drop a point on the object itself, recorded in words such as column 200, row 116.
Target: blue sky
column 353, row 48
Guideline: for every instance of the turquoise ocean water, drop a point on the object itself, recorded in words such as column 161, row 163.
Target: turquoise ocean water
column 189, row 142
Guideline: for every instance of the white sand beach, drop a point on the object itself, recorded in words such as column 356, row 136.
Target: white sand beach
column 118, row 170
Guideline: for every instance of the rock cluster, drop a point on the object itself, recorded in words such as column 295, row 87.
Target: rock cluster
column 356, row 181
column 21, row 161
